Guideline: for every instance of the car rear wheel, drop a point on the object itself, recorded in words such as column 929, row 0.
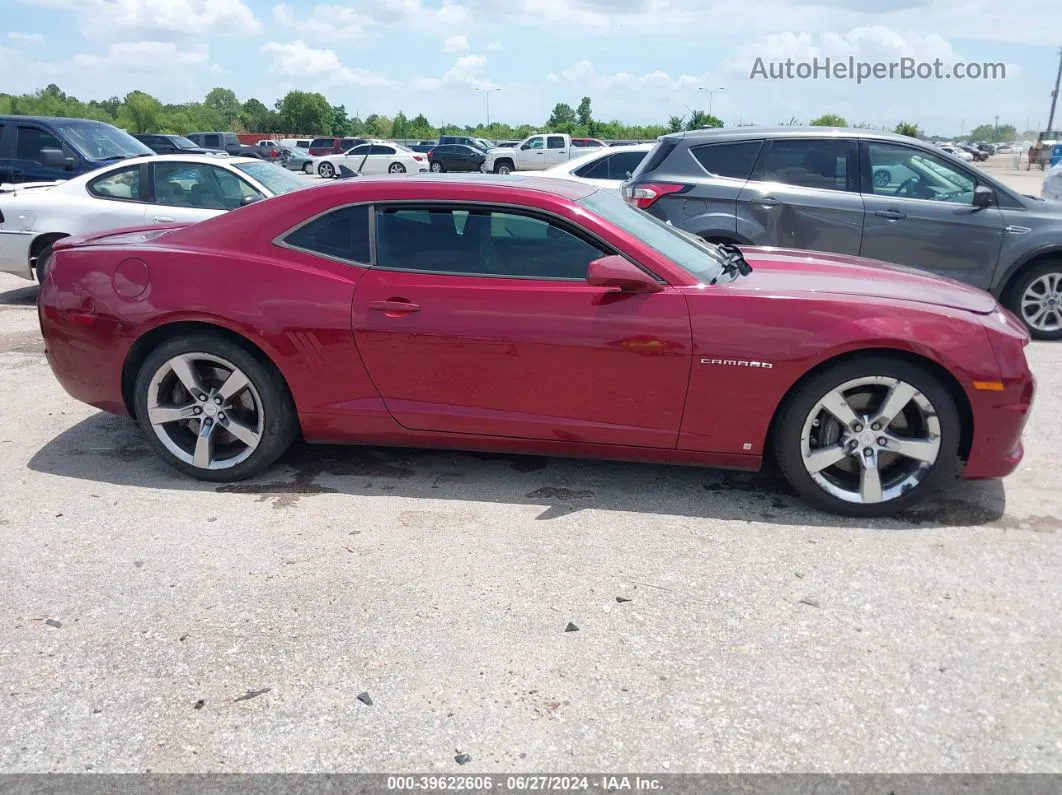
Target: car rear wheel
column 1036, row 298
column 43, row 262
column 326, row 170
column 436, row 167
column 396, row 168
column 308, row 168
column 868, row 437
column 212, row 409
column 503, row 168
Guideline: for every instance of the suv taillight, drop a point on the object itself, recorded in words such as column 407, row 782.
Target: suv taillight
column 643, row 196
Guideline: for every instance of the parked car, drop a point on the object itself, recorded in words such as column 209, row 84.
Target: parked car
column 371, row 157
column 226, row 142
column 37, row 148
column 607, row 167
column 955, row 151
column 587, row 143
column 269, row 150
column 332, row 146
column 606, row 334
column 977, row 154
column 465, row 140
column 455, row 157
column 161, row 189
column 296, row 143
column 175, row 145
column 294, row 159
column 821, row 190
column 423, row 147
column 534, row 153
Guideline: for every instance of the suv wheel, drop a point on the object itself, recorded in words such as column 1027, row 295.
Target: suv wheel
column 1036, row 298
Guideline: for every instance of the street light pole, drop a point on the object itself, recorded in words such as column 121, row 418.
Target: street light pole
column 486, row 92
column 711, row 93
column 995, row 135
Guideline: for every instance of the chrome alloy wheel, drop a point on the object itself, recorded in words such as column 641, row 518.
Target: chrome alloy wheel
column 1041, row 304
column 326, row 170
column 205, row 411
column 870, row 440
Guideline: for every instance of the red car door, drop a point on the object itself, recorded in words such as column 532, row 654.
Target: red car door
column 482, row 322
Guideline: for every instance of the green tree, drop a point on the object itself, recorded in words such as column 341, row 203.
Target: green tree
column 255, row 116
column 562, row 119
column 224, row 103
column 140, row 112
column 305, row 113
column 400, row 127
column 378, row 126
column 340, row 122
column 584, row 115
column 907, row 128
column 992, row 133
column 699, row 119
column 675, row 123
column 829, row 120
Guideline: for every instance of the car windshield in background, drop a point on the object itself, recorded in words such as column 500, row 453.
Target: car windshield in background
column 276, row 178
column 97, row 141
column 184, row 143
column 697, row 257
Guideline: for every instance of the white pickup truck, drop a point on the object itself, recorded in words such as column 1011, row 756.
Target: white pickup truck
column 535, row 153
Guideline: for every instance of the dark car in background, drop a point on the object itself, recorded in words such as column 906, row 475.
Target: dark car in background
column 162, row 144
column 423, row 146
column 466, row 140
column 44, row 148
column 877, row 195
column 455, row 157
column 333, row 146
column 225, row 141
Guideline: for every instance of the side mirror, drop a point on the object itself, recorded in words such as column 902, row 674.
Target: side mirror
column 249, row 200
column 620, row 274
column 57, row 158
column 983, row 196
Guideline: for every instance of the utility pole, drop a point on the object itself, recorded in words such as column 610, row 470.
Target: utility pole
column 711, row 93
column 1054, row 94
column 486, row 92
column 995, row 135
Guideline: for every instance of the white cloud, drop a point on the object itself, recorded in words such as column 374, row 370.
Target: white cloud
column 146, row 56
column 583, row 74
column 467, row 72
column 338, row 22
column 327, row 22
column 456, row 44
column 494, row 45
column 26, row 38
column 140, row 18
column 297, row 60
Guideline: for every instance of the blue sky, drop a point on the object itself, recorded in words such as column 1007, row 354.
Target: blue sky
column 639, row 60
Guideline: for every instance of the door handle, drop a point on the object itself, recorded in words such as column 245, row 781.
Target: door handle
column 892, row 215
column 163, row 219
column 767, row 201
column 394, row 306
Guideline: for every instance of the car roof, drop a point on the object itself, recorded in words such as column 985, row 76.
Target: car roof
column 596, row 153
column 719, row 134
column 419, row 184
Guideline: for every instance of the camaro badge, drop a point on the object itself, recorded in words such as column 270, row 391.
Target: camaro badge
column 737, row 363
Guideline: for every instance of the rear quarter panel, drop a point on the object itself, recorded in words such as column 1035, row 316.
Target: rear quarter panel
column 730, row 406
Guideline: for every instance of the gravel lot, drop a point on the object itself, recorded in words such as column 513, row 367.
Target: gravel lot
column 139, row 607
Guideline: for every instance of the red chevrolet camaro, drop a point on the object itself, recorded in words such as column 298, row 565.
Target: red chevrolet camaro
column 539, row 316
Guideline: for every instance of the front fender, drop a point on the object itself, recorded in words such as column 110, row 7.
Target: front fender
column 15, row 247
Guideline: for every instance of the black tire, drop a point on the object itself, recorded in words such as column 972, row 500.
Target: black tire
column 396, row 168
column 803, row 399
column 280, row 423
column 1012, row 299
column 326, row 170
column 504, row 167
column 436, row 167
column 43, row 261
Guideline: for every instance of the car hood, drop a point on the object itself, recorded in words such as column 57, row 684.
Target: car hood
column 780, row 270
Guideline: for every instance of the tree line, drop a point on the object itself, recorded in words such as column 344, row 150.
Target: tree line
column 310, row 113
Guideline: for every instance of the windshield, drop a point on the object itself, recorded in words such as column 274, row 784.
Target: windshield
column 96, row 140
column 685, row 250
column 275, row 178
column 183, row 143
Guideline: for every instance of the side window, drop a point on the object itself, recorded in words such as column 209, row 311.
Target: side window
column 534, row 143
column 347, row 143
column 555, row 142
column 212, row 141
column 342, row 233
column 728, row 160
column 121, row 184
column 360, row 151
column 910, row 173
column 622, row 165
column 598, row 169
column 32, row 142
column 377, row 149
column 818, row 163
column 478, row 242
column 233, row 189
column 199, row 185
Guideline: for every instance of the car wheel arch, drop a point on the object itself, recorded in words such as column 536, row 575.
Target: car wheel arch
column 41, row 242
column 156, row 336
column 1031, row 260
column 946, row 378
column 733, row 239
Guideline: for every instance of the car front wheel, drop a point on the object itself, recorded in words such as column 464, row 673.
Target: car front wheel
column 436, row 167
column 870, row 436
column 326, row 170
column 212, row 409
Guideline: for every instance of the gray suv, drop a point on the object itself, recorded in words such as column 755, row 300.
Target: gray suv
column 862, row 193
